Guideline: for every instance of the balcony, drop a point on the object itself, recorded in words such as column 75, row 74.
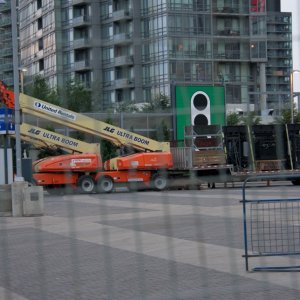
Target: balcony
column 37, row 14
column 81, row 43
column 81, row 21
column 232, row 9
column 39, row 54
column 5, row 36
column 231, row 55
column 66, row 2
column 122, row 38
column 5, row 21
column 81, row 65
column 39, row 34
column 122, row 83
column 6, row 67
column 4, row 7
column 227, row 32
column 77, row 2
column 121, row 15
column 123, row 60
column 6, row 52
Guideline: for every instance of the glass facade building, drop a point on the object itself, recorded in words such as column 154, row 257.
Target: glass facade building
column 6, row 61
column 133, row 50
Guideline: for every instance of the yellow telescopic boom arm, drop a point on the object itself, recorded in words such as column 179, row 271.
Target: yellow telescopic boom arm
column 42, row 137
column 80, row 122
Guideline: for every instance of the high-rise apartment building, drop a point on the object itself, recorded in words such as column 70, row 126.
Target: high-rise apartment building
column 132, row 50
column 6, row 60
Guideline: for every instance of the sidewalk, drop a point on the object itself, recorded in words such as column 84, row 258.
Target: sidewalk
column 144, row 245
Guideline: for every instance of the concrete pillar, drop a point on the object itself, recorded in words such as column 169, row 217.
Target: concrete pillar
column 18, row 196
column 5, row 200
column 263, row 87
column 33, row 204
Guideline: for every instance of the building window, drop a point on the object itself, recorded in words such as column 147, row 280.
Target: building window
column 233, row 92
column 40, row 43
column 258, row 6
column 190, row 71
column 41, row 64
column 258, row 50
column 39, row 4
column 39, row 23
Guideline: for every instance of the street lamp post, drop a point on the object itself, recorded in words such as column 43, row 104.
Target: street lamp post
column 15, row 48
column 22, row 71
column 292, row 93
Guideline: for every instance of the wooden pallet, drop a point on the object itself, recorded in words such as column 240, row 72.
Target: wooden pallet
column 270, row 165
column 209, row 157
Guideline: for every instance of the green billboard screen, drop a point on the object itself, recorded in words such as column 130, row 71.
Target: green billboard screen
column 198, row 104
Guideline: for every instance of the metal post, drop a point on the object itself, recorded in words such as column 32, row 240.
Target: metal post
column 22, row 81
column 173, row 107
column 22, row 71
column 15, row 47
column 292, row 96
column 5, row 150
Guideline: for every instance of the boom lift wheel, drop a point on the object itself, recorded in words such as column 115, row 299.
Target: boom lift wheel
column 86, row 184
column 159, row 182
column 296, row 182
column 105, row 184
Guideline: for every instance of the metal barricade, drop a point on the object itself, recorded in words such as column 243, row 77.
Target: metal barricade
column 271, row 227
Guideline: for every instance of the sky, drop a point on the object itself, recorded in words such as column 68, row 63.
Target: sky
column 293, row 6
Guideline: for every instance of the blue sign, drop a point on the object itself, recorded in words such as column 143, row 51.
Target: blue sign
column 2, row 128
column 11, row 128
column 7, row 123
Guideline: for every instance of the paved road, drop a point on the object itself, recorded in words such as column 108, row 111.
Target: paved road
column 181, row 244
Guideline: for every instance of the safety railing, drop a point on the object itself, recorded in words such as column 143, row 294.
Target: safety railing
column 271, row 227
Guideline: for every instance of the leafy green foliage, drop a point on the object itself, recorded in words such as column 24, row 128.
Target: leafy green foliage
column 76, row 97
column 163, row 133
column 233, row 119
column 160, row 102
column 108, row 149
column 78, row 135
column 49, row 151
column 127, row 106
column 286, row 117
column 41, row 90
column 250, row 119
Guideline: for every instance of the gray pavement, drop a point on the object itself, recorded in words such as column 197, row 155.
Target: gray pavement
column 178, row 244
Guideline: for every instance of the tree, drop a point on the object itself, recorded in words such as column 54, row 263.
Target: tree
column 108, row 149
column 233, row 119
column 160, row 102
column 40, row 89
column 76, row 97
column 250, row 119
column 127, row 106
column 163, row 133
column 49, row 151
column 285, row 117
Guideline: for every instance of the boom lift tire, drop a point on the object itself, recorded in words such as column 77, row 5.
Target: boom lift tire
column 86, row 184
column 296, row 182
column 105, row 184
column 159, row 182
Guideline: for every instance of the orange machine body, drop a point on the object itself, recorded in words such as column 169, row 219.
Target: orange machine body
column 6, row 96
column 70, row 162
column 141, row 161
column 67, row 169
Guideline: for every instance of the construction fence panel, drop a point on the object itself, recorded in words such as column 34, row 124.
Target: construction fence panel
column 271, row 227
